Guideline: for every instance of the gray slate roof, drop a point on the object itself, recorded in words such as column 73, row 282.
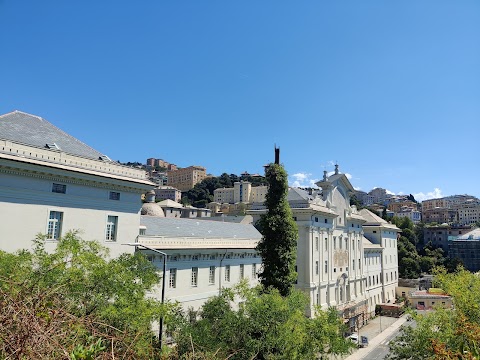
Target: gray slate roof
column 35, row 131
column 178, row 227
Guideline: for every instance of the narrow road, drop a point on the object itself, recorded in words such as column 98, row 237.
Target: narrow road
column 382, row 349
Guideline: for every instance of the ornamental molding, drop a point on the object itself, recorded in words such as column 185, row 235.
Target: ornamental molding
column 63, row 179
column 168, row 243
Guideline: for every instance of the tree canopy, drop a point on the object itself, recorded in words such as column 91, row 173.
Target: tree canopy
column 278, row 246
column 445, row 333
column 76, row 302
column 266, row 326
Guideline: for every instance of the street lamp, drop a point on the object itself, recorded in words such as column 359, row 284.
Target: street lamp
column 160, row 330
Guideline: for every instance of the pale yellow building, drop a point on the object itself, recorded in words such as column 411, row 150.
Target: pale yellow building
column 242, row 192
column 186, row 178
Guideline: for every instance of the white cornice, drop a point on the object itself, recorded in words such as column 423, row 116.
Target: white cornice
column 169, row 243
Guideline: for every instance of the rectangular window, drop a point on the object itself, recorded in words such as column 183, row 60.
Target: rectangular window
column 353, row 265
column 227, row 273
column 111, row 232
column 59, row 188
column 194, row 279
column 172, row 281
column 334, row 242
column 326, row 266
column 211, row 275
column 254, row 271
column 316, row 267
column 242, row 271
column 114, row 195
column 316, row 243
column 54, row 227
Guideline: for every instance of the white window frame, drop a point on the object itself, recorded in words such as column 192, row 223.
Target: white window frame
column 194, row 277
column 242, row 271
column 54, row 225
column 111, row 228
column 211, row 275
column 172, row 278
column 227, row 273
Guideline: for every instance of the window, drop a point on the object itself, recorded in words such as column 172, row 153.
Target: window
column 326, row 243
column 142, row 231
column 194, row 280
column 316, row 243
column 353, row 264
column 242, row 271
column 326, row 221
column 172, row 281
column 316, row 267
column 316, row 219
column 254, row 271
column 334, row 242
column 227, row 272
column 111, row 233
column 54, row 227
column 59, row 188
column 326, row 266
column 211, row 275
column 114, row 195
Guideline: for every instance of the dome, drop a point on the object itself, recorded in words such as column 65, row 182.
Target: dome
column 152, row 209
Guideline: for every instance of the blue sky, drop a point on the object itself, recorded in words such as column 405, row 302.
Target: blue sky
column 388, row 89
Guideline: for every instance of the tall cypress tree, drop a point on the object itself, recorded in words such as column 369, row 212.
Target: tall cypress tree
column 278, row 246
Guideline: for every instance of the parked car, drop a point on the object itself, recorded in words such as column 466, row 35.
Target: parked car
column 361, row 342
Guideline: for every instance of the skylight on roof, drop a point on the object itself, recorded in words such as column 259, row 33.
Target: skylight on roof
column 52, row 146
column 104, row 158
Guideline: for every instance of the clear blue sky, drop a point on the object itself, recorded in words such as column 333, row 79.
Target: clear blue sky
column 388, row 89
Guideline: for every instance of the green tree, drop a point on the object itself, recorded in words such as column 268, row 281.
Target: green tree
column 445, row 333
column 278, row 246
column 266, row 326
column 75, row 300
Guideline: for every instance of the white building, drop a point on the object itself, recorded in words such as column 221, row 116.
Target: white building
column 167, row 192
column 203, row 256
column 334, row 248
column 380, row 259
column 412, row 214
column 50, row 182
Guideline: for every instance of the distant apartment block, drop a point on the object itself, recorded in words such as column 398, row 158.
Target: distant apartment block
column 402, row 205
column 168, row 192
column 469, row 213
column 412, row 214
column 242, row 192
column 152, row 162
column 453, row 201
column 442, row 236
column 467, row 248
column 439, row 215
column 185, row 179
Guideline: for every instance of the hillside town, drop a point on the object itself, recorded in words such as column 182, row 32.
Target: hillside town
column 347, row 246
